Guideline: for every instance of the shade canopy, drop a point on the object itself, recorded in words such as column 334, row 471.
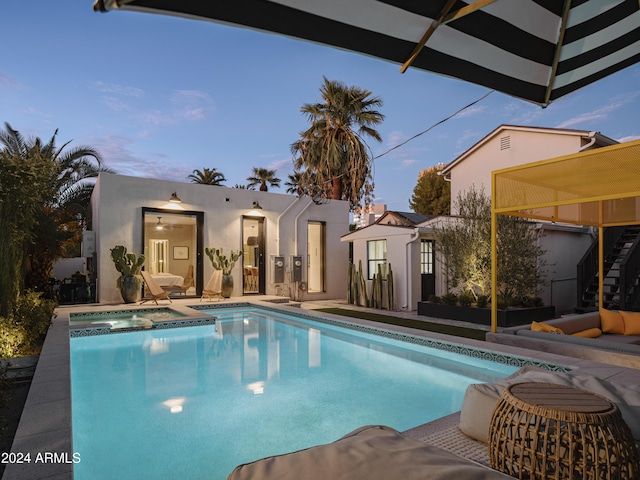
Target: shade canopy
column 599, row 188
column 537, row 50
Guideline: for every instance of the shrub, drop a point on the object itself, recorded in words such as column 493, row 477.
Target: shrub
column 434, row 299
column 482, row 301
column 450, row 298
column 22, row 332
column 466, row 298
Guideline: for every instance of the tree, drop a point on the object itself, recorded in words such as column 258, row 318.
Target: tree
column 207, row 176
column 294, row 184
column 432, row 194
column 60, row 187
column 465, row 244
column 263, row 177
column 332, row 150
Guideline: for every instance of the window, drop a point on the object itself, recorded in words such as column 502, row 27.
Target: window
column 376, row 255
column 426, row 257
column 316, row 257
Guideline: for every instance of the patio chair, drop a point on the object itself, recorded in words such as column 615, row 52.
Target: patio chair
column 155, row 290
column 188, row 281
column 214, row 286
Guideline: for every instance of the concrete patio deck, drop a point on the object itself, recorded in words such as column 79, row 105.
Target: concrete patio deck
column 45, row 425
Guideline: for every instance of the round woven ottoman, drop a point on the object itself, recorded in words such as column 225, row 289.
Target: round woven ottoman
column 546, row 431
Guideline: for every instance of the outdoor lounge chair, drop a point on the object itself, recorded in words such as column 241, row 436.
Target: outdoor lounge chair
column 214, row 286
column 156, row 291
column 188, row 281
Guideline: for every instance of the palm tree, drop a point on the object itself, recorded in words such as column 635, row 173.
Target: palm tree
column 60, row 189
column 332, row 149
column 263, row 176
column 207, row 176
column 294, row 184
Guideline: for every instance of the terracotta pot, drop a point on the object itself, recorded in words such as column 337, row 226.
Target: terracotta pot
column 130, row 289
column 227, row 285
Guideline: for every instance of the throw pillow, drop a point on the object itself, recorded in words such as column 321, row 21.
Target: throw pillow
column 545, row 327
column 611, row 321
column 588, row 333
column 631, row 322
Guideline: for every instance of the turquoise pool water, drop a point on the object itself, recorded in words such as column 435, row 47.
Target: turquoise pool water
column 132, row 318
column 193, row 402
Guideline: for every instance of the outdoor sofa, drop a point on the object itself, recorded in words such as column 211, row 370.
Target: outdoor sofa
column 607, row 336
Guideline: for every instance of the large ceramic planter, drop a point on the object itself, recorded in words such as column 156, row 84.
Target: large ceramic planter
column 482, row 316
column 130, row 289
column 227, row 286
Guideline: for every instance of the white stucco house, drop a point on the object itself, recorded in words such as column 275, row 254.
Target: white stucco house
column 411, row 249
column 291, row 246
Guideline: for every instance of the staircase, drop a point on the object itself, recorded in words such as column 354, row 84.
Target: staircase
column 621, row 271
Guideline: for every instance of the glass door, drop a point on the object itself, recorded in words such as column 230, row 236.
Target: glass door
column 253, row 264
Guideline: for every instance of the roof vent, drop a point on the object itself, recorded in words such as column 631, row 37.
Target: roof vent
column 505, row 142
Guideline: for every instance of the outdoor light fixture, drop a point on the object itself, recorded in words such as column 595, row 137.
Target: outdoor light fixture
column 174, row 198
column 256, row 206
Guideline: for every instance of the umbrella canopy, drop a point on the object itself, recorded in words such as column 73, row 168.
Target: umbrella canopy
column 537, row 50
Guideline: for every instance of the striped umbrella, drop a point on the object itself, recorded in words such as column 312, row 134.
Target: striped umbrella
column 537, row 50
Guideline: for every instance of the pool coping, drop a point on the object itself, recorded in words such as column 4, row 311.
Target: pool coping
column 45, row 425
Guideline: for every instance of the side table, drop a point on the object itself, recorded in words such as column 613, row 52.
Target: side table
column 547, row 431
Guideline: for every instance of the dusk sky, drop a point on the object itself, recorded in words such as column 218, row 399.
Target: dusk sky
column 160, row 96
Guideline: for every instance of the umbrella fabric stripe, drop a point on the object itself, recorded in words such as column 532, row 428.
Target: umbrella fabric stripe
column 616, row 61
column 625, row 42
column 571, row 87
column 507, row 45
column 582, row 23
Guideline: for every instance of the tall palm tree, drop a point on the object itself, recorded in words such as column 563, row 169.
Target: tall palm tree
column 333, row 149
column 61, row 187
column 263, row 177
column 207, row 176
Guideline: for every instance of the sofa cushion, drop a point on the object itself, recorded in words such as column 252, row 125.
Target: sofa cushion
column 611, row 321
column 372, row 453
column 545, row 327
column 577, row 322
column 480, row 399
column 588, row 333
column 631, row 322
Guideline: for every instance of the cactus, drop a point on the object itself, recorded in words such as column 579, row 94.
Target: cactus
column 390, row 294
column 219, row 260
column 128, row 264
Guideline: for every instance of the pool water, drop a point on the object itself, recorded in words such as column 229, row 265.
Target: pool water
column 194, row 402
column 134, row 318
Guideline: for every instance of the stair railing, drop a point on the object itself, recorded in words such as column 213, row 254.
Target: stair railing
column 587, row 269
column 629, row 273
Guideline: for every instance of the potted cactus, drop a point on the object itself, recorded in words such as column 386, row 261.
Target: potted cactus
column 129, row 265
column 219, row 261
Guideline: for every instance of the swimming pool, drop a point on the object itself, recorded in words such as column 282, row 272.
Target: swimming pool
column 122, row 319
column 194, row 402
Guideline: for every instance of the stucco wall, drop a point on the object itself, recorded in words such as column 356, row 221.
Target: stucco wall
column 524, row 147
column 117, row 220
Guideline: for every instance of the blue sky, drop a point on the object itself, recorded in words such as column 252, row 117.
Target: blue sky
column 160, row 96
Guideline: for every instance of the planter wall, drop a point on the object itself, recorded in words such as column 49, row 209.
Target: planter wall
column 482, row 316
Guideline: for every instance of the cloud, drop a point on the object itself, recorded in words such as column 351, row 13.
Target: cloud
column 192, row 104
column 115, row 89
column 280, row 164
column 629, row 138
column 8, row 82
column 601, row 113
column 408, row 163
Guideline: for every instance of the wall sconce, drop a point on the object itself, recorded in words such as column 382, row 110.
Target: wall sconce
column 174, row 198
column 256, row 206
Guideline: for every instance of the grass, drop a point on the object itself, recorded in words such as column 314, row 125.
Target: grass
column 407, row 322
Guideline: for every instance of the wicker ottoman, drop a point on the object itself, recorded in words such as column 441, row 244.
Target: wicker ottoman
column 546, row 431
